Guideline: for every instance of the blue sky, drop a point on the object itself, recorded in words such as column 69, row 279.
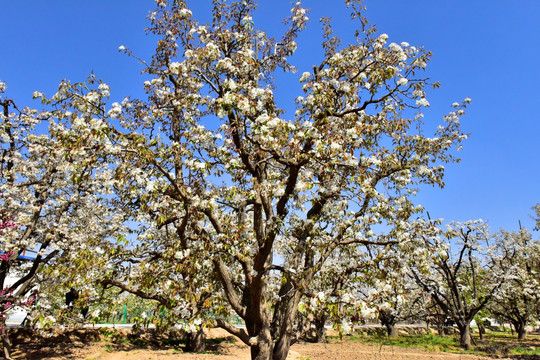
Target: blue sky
column 488, row 51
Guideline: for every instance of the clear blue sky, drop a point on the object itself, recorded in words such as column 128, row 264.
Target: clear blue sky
column 486, row 50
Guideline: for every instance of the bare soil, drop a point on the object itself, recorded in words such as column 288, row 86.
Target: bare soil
column 95, row 344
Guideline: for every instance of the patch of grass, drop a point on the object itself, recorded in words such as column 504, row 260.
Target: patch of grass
column 425, row 342
column 525, row 350
column 122, row 340
column 108, row 332
column 494, row 343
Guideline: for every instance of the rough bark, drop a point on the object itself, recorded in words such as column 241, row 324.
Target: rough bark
column 195, row 341
column 263, row 349
column 391, row 330
column 440, row 330
column 520, row 329
column 281, row 349
column 389, row 322
column 320, row 332
column 464, row 335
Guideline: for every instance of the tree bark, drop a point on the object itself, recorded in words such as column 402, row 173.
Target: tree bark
column 481, row 329
column 320, row 332
column 441, row 330
column 520, row 329
column 464, row 335
column 195, row 341
column 389, row 322
column 391, row 330
column 263, row 350
column 6, row 342
column 281, row 349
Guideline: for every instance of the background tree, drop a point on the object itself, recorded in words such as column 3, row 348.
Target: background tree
column 519, row 299
column 333, row 296
column 54, row 182
column 460, row 272
column 391, row 292
column 174, row 274
column 270, row 198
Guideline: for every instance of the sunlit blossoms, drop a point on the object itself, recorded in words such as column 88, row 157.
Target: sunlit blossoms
column 54, row 186
column 265, row 203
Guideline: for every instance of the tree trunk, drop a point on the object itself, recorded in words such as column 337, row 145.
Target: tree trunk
column 520, row 329
column 391, row 330
column 464, row 335
column 281, row 349
column 264, row 348
column 320, row 332
column 481, row 329
column 440, row 330
column 6, row 342
column 267, row 348
column 389, row 322
column 195, row 341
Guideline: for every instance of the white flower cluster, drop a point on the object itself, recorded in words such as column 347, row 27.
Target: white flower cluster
column 115, row 110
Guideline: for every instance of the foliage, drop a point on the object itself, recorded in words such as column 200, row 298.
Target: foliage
column 519, row 299
column 233, row 206
column 55, row 185
column 237, row 200
column 460, row 271
column 390, row 292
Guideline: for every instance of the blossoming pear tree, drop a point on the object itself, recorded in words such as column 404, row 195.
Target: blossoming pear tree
column 391, row 292
column 519, row 299
column 54, row 182
column 461, row 272
column 333, row 295
column 175, row 273
column 271, row 196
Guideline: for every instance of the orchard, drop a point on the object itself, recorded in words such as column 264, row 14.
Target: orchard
column 211, row 202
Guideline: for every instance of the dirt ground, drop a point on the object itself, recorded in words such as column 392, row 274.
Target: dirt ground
column 92, row 344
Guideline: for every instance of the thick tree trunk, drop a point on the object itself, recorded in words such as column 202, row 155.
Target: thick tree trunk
column 281, row 349
column 389, row 322
column 464, row 335
column 195, row 341
column 320, row 332
column 264, row 348
column 520, row 329
column 391, row 330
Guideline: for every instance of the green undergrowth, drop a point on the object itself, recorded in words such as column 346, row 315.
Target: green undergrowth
column 493, row 344
column 424, row 342
column 526, row 350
